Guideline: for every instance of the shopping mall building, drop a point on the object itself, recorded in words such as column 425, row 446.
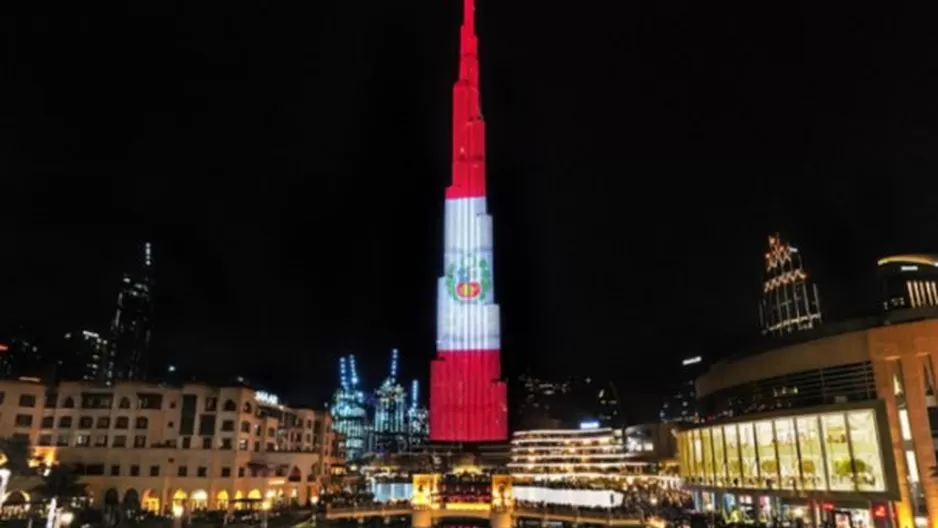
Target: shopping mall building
column 834, row 424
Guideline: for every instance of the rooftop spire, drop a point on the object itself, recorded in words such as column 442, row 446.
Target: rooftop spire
column 468, row 126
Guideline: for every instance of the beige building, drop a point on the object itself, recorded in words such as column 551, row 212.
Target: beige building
column 839, row 425
column 198, row 446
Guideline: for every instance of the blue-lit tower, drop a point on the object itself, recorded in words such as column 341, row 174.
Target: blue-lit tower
column 418, row 423
column 348, row 409
column 390, row 425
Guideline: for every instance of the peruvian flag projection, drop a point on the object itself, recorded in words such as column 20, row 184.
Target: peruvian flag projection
column 468, row 399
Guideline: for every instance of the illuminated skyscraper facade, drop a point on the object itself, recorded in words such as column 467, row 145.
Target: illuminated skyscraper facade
column 349, row 415
column 417, row 418
column 87, row 357
column 390, row 425
column 130, row 328
column 468, row 399
column 790, row 300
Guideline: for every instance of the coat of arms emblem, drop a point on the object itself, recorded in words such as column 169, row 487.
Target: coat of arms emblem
column 469, row 280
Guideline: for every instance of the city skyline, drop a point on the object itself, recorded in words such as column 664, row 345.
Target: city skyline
column 272, row 222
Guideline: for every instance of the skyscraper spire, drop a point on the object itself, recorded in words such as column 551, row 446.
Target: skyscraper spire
column 468, row 125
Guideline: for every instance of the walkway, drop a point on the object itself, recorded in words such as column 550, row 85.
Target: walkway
column 550, row 514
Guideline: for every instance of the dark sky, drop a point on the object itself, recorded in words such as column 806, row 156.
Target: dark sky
column 289, row 162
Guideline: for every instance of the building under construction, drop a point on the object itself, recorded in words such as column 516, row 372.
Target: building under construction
column 349, row 414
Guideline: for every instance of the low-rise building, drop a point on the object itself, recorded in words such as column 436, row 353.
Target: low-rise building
column 838, row 424
column 198, row 446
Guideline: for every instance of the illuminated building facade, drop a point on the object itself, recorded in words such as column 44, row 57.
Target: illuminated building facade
column 418, row 426
column 390, row 423
column 130, row 328
column 590, row 452
column 86, row 357
column 908, row 281
column 651, row 442
column 789, row 299
column 468, row 399
column 20, row 356
column 349, row 412
column 552, row 404
column 839, row 427
column 681, row 405
column 197, row 446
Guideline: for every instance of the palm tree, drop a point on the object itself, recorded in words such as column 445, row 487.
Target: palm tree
column 16, row 455
column 60, row 482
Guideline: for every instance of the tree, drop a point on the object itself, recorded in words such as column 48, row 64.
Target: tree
column 60, row 481
column 16, row 455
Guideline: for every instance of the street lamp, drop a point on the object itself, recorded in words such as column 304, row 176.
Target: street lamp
column 4, row 479
column 178, row 511
column 265, row 509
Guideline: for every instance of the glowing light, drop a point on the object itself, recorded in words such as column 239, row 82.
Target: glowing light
column 178, row 510
column 692, row 361
column 266, row 398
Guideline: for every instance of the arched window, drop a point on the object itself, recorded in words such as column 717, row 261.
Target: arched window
column 69, row 403
column 125, row 403
column 230, row 406
column 247, row 407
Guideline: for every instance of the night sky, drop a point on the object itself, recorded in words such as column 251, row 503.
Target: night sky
column 289, row 162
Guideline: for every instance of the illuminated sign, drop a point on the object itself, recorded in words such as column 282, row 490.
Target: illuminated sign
column 691, row 361
column 589, row 425
column 909, row 268
column 266, row 398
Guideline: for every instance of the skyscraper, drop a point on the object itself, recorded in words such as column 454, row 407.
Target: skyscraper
column 350, row 418
column 789, row 299
column 417, row 418
column 20, row 356
column 390, row 425
column 468, row 399
column 87, row 357
column 130, row 328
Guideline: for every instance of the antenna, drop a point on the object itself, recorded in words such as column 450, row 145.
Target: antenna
column 354, row 369
column 343, row 373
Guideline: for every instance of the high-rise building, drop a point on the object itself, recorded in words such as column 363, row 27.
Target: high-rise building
column 468, row 398
column 565, row 404
column 130, row 328
column 681, row 405
column 348, row 409
column 908, row 281
column 20, row 356
column 390, row 424
column 86, row 356
column 789, row 298
column 417, row 418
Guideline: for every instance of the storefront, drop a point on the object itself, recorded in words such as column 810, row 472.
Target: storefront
column 812, row 469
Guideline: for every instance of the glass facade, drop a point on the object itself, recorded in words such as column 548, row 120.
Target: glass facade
column 831, row 451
